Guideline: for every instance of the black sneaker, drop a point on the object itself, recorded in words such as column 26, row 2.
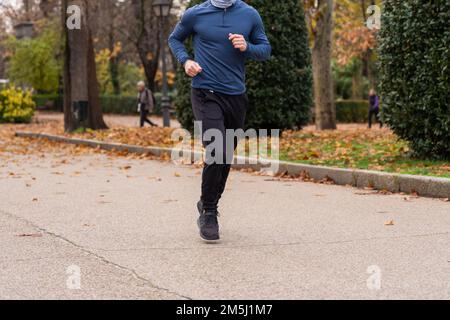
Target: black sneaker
column 208, row 224
column 200, row 207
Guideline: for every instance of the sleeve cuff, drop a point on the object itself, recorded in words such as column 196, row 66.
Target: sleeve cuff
column 248, row 52
column 184, row 59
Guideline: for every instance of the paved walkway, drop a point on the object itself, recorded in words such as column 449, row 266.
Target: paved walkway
column 116, row 120
column 128, row 226
column 112, row 120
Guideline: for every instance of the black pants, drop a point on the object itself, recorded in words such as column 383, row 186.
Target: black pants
column 144, row 119
column 219, row 112
column 375, row 113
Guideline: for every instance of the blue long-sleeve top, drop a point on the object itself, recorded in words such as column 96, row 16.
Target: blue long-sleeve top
column 223, row 65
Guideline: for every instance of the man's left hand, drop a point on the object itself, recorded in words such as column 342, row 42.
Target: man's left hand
column 239, row 41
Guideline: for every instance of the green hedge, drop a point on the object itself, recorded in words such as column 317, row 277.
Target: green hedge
column 415, row 74
column 51, row 102
column 352, row 111
column 118, row 104
column 348, row 111
column 110, row 103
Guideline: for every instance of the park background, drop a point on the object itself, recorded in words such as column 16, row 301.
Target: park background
column 315, row 87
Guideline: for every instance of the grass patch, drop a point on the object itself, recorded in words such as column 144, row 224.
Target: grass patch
column 378, row 150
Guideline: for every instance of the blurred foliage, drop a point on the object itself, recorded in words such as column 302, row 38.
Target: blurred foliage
column 352, row 38
column 123, row 104
column 16, row 106
column 344, row 80
column 415, row 72
column 280, row 90
column 128, row 73
column 352, row 111
column 34, row 62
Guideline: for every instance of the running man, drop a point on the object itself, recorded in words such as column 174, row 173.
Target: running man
column 225, row 33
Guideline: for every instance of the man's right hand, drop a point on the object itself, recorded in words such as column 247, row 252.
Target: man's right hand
column 192, row 68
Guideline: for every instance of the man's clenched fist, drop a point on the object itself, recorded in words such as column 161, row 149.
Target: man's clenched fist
column 239, row 41
column 192, row 68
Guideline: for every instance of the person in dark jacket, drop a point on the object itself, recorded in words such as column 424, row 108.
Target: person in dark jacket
column 145, row 104
column 374, row 108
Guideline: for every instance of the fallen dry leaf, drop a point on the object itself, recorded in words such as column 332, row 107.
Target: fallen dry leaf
column 104, row 202
column 31, row 235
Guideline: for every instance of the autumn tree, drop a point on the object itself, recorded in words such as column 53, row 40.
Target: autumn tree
column 42, row 71
column 111, row 29
column 48, row 7
column 82, row 107
column 142, row 29
column 320, row 18
column 355, row 42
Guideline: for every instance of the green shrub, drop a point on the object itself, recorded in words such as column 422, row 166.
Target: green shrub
column 34, row 62
column 53, row 102
column 279, row 90
column 16, row 106
column 415, row 73
column 110, row 103
column 183, row 106
column 352, row 111
column 118, row 104
column 128, row 104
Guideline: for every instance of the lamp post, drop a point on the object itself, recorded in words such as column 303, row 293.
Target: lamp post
column 162, row 10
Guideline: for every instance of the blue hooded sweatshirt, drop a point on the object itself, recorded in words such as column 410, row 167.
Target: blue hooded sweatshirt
column 223, row 65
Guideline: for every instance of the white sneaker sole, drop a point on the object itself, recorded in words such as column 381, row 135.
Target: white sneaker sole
column 210, row 241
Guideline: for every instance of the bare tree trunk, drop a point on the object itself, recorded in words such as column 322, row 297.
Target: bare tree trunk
column 113, row 64
column 45, row 6
column 2, row 64
column 150, row 66
column 366, row 58
column 114, row 73
column 69, row 122
column 357, row 82
column 81, row 98
column 95, row 114
column 147, row 42
column 323, row 80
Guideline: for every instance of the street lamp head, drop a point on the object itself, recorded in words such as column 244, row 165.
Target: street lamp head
column 162, row 7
